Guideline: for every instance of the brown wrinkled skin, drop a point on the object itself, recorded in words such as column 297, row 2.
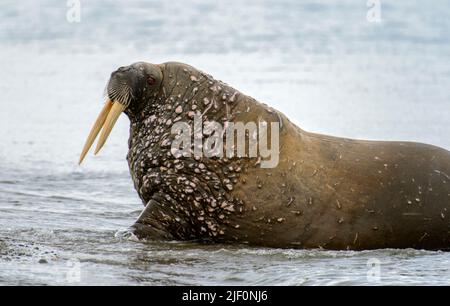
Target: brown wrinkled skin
column 326, row 192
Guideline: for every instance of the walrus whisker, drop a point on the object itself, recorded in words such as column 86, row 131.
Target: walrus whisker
column 120, row 93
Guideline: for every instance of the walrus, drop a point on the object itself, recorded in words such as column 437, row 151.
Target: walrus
column 324, row 192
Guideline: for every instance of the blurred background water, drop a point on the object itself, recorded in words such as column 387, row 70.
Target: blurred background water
column 323, row 63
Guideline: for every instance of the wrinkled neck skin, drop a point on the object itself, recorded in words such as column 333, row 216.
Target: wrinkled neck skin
column 193, row 194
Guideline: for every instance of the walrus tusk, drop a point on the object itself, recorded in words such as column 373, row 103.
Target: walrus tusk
column 116, row 109
column 95, row 129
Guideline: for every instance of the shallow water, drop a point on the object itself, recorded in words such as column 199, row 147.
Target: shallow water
column 322, row 64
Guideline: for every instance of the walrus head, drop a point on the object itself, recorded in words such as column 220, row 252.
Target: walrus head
column 127, row 88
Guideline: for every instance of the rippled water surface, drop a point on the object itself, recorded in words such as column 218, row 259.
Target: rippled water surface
column 321, row 63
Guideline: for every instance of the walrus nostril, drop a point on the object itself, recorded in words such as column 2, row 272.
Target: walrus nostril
column 124, row 69
column 116, row 73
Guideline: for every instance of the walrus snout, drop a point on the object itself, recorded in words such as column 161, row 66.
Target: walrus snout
column 124, row 85
column 128, row 84
column 120, row 90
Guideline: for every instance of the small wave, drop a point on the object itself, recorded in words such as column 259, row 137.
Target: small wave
column 126, row 234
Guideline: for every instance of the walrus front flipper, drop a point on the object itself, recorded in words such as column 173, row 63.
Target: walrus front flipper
column 147, row 225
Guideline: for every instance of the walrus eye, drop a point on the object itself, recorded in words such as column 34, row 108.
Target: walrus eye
column 151, row 80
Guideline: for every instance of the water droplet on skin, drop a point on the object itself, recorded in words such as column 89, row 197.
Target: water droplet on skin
column 193, row 78
column 279, row 220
